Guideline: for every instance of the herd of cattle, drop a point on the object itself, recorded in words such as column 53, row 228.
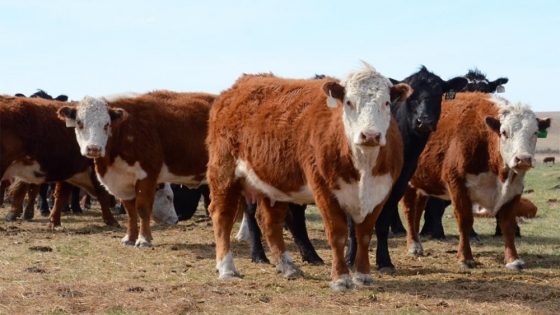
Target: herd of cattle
column 268, row 146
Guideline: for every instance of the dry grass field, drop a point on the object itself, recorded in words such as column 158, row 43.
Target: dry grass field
column 83, row 269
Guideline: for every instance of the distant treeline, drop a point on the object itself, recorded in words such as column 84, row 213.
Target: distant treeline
column 548, row 151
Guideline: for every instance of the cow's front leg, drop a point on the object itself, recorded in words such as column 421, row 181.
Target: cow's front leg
column 18, row 195
column 271, row 221
column 336, row 230
column 145, row 194
column 413, row 203
column 132, row 227
column 32, row 193
column 364, row 232
column 508, row 224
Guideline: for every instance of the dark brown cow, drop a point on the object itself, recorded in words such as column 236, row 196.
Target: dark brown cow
column 275, row 141
column 140, row 141
column 37, row 148
column 549, row 159
column 479, row 155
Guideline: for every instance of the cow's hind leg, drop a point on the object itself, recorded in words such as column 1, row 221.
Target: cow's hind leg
column 271, row 221
column 61, row 195
column 32, row 193
column 18, row 190
column 413, row 204
column 255, row 235
column 295, row 220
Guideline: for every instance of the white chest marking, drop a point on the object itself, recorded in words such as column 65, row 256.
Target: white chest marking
column 121, row 178
column 486, row 190
column 360, row 198
column 27, row 173
column 303, row 195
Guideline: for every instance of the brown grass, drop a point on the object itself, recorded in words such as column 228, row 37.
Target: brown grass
column 87, row 271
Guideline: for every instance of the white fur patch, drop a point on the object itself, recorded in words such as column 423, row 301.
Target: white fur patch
column 27, row 173
column 243, row 170
column 163, row 211
column 83, row 181
column 190, row 181
column 226, row 267
column 93, row 113
column 359, row 199
column 121, row 178
column 486, row 190
column 243, row 234
column 120, row 96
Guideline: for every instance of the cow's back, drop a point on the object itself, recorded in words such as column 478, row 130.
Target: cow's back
column 25, row 122
column 163, row 127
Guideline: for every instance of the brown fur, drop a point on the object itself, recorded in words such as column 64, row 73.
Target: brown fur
column 463, row 143
column 526, row 209
column 31, row 131
column 290, row 138
column 156, row 128
column 549, row 159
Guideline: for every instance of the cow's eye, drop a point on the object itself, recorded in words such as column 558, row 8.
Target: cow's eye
column 504, row 134
column 80, row 124
column 106, row 126
column 387, row 103
column 349, row 103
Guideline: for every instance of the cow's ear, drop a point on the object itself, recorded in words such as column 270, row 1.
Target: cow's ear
column 400, row 92
column 117, row 114
column 68, row 114
column 543, row 124
column 494, row 124
column 335, row 93
column 494, row 84
column 61, row 98
column 395, row 82
column 456, row 84
column 20, row 95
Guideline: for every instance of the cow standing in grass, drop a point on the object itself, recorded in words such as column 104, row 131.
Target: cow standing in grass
column 479, row 154
column 140, row 141
column 274, row 141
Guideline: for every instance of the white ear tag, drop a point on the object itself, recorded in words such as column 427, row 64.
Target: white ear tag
column 500, row 89
column 331, row 101
column 70, row 123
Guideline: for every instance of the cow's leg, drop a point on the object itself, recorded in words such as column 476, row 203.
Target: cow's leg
column 437, row 208
column 364, row 231
column 132, row 227
column 3, row 186
column 19, row 190
column 350, row 256
column 336, row 230
column 32, row 193
column 413, row 204
column 271, row 221
column 61, row 195
column 145, row 195
column 255, row 235
column 428, row 226
column 382, row 257
column 105, row 199
column 463, row 213
column 397, row 226
column 508, row 223
column 75, row 201
column 43, row 203
column 205, row 191
column 295, row 220
column 498, row 231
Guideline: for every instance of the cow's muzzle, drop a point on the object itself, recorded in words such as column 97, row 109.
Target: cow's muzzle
column 369, row 138
column 93, row 151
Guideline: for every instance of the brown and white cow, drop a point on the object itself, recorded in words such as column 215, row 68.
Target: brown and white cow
column 140, row 141
column 37, row 148
column 274, row 141
column 479, row 154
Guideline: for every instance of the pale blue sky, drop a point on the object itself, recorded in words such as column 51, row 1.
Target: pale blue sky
column 105, row 47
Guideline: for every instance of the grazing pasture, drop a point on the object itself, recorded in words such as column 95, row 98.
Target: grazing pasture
column 81, row 268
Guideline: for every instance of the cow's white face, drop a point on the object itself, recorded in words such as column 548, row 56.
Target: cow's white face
column 163, row 212
column 92, row 120
column 366, row 98
column 517, row 128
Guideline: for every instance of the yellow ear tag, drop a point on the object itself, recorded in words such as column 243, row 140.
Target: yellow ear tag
column 331, row 101
column 500, row 89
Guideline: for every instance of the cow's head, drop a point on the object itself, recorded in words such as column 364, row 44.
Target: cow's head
column 366, row 98
column 92, row 118
column 164, row 211
column 423, row 107
column 479, row 83
column 517, row 127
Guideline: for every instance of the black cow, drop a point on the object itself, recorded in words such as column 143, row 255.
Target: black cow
column 416, row 117
column 185, row 200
